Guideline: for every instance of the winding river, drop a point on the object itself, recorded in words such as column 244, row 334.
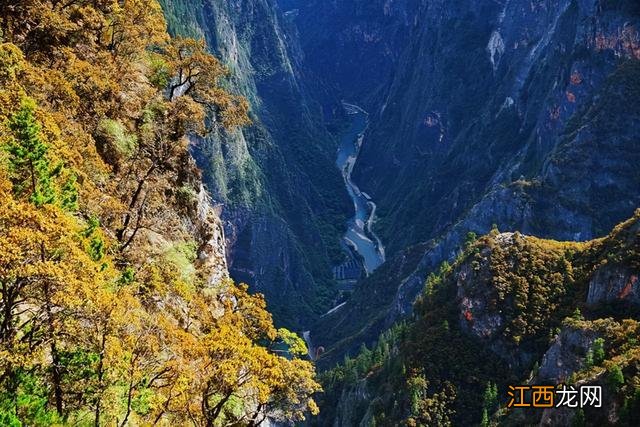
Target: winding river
column 359, row 235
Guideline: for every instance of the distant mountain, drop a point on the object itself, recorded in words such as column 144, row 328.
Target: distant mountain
column 511, row 115
column 523, row 116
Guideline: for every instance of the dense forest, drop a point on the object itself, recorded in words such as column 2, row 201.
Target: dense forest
column 511, row 309
column 115, row 308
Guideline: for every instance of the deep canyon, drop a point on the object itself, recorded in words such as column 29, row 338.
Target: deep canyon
column 480, row 115
column 320, row 213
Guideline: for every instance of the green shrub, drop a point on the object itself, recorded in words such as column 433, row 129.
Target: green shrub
column 116, row 136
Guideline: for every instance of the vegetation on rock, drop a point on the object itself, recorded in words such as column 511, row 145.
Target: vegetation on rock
column 108, row 311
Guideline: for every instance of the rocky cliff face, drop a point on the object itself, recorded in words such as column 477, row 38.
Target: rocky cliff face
column 482, row 96
column 284, row 202
column 208, row 227
column 565, row 356
column 614, row 284
column 517, row 114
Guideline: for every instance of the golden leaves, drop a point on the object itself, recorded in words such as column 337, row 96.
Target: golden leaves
column 179, row 349
column 197, row 74
column 11, row 62
column 127, row 327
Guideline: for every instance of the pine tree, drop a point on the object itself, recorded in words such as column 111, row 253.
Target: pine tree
column 577, row 314
column 485, row 419
column 28, row 162
column 588, row 360
column 470, row 239
column 579, row 419
column 616, row 377
column 490, row 397
column 598, row 351
column 69, row 194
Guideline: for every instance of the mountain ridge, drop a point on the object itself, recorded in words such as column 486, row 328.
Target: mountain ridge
column 451, row 151
column 529, row 308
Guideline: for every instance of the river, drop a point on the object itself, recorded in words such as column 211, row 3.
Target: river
column 359, row 235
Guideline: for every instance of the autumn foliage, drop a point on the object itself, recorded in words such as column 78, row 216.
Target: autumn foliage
column 107, row 317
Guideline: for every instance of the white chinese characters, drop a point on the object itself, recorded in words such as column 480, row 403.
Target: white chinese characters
column 584, row 396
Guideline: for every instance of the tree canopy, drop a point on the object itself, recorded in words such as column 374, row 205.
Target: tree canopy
column 107, row 316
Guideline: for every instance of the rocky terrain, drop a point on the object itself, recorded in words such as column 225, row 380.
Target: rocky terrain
column 517, row 116
column 522, row 116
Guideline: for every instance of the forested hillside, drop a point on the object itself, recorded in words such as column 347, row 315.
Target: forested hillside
column 353, row 162
column 512, row 309
column 115, row 304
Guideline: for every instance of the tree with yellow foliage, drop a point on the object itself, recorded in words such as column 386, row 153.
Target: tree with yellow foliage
column 197, row 74
column 227, row 372
column 46, row 278
column 97, row 325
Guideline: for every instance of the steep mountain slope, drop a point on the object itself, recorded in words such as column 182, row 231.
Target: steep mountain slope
column 520, row 115
column 512, row 309
column 115, row 302
column 285, row 205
